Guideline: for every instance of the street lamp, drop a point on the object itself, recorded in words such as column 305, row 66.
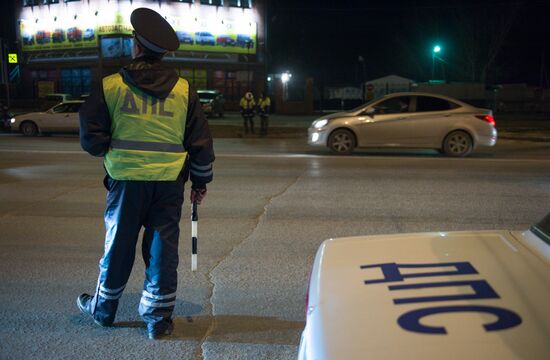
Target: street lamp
column 435, row 50
column 285, row 77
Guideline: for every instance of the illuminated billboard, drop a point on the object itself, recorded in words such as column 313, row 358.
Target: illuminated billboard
column 80, row 24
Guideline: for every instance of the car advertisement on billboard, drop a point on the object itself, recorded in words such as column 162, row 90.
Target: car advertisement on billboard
column 215, row 35
column 59, row 37
column 208, row 32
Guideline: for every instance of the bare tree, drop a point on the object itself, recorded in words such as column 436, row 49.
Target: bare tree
column 481, row 30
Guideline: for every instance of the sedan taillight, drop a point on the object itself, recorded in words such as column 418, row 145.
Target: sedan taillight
column 489, row 118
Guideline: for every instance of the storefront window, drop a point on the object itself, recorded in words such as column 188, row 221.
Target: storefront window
column 76, row 81
column 116, row 47
column 30, row 2
column 241, row 3
column 197, row 78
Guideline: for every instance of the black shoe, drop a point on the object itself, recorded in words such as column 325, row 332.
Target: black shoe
column 84, row 303
column 161, row 334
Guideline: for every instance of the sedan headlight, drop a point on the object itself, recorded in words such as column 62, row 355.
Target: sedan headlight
column 320, row 123
column 12, row 120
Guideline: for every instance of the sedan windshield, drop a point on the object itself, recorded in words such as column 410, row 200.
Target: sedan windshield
column 542, row 229
column 362, row 107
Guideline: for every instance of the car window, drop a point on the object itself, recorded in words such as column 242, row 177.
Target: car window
column 394, row 105
column 74, row 107
column 542, row 229
column 207, row 95
column 62, row 108
column 429, row 103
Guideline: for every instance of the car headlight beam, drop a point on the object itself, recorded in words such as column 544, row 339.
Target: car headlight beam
column 320, row 123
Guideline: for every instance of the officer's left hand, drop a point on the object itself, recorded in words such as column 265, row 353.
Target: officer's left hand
column 197, row 195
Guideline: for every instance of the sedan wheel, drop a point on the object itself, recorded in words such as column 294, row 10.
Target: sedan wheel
column 342, row 141
column 458, row 143
column 29, row 128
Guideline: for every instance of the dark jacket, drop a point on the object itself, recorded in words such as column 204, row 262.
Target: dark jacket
column 151, row 77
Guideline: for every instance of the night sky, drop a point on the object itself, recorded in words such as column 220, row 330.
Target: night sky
column 324, row 39
column 497, row 41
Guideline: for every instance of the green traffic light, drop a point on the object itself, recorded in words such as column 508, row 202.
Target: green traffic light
column 437, row 49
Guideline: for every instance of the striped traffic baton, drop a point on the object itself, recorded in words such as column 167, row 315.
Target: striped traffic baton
column 194, row 225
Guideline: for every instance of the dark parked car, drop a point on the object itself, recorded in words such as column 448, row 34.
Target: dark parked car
column 5, row 118
column 212, row 102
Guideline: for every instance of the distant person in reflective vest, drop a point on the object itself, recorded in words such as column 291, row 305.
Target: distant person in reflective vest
column 149, row 126
column 264, row 106
column 248, row 105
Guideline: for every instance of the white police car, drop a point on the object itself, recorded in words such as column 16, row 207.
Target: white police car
column 448, row 295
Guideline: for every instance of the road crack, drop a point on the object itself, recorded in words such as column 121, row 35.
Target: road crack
column 213, row 323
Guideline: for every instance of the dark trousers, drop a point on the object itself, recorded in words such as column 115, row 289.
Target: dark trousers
column 248, row 118
column 264, row 124
column 131, row 205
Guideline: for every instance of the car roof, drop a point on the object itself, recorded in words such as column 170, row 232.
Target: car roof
column 414, row 93
column 370, row 285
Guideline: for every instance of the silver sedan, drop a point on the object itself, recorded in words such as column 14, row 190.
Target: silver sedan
column 409, row 120
column 62, row 117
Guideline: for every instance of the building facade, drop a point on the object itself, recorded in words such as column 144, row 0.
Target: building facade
column 67, row 45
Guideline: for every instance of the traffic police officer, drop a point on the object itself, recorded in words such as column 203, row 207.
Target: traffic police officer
column 149, row 126
column 264, row 105
column 247, row 105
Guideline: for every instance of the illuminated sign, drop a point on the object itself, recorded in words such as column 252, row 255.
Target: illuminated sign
column 12, row 58
column 80, row 24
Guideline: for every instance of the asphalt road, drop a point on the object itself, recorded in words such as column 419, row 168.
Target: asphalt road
column 270, row 206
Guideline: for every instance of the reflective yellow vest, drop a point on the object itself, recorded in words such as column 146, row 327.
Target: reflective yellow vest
column 247, row 104
column 146, row 132
column 264, row 102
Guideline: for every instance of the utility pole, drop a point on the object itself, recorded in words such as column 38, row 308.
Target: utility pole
column 248, row 46
column 266, row 44
column 543, row 73
column 361, row 60
column 4, row 65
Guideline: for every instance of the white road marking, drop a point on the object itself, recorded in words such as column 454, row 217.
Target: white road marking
column 370, row 157
column 303, row 156
column 21, row 151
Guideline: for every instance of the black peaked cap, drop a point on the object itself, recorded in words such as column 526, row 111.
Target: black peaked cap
column 154, row 29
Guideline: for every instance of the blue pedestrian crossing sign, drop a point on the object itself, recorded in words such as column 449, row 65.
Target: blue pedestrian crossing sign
column 12, row 58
